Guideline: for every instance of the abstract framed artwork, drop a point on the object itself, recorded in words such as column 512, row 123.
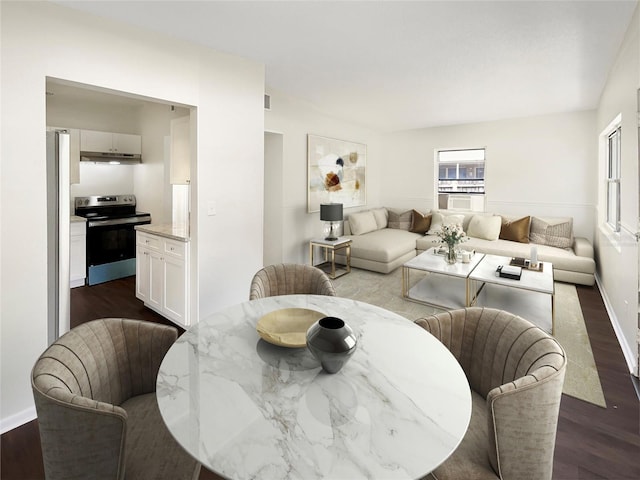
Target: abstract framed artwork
column 336, row 172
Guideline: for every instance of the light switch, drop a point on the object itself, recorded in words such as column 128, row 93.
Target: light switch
column 211, row 208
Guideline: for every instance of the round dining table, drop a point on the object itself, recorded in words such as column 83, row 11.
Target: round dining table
column 249, row 409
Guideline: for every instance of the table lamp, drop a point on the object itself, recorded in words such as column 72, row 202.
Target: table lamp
column 331, row 214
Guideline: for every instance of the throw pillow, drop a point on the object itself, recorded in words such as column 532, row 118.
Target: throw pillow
column 380, row 214
column 401, row 221
column 362, row 222
column 420, row 223
column 516, row 230
column 438, row 220
column 558, row 234
column 485, row 227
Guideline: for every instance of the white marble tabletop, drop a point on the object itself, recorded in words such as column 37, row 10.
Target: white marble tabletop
column 429, row 261
column 249, row 409
column 530, row 280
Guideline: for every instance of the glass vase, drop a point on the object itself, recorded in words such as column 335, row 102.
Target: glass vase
column 450, row 257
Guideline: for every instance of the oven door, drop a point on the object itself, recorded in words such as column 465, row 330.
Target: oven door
column 112, row 240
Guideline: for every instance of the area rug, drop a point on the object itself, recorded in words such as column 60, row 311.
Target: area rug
column 581, row 380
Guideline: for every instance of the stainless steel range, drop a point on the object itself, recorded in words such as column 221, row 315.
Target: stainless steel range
column 111, row 236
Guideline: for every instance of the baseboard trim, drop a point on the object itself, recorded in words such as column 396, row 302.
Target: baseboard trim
column 17, row 420
column 627, row 350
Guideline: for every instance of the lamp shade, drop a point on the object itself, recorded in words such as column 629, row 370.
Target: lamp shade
column 331, row 212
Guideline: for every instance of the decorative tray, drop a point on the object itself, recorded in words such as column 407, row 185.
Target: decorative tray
column 526, row 264
column 443, row 251
column 287, row 327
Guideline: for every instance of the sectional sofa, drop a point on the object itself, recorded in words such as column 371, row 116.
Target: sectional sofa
column 385, row 238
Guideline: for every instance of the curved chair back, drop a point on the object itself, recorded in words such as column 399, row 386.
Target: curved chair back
column 519, row 369
column 290, row 279
column 79, row 384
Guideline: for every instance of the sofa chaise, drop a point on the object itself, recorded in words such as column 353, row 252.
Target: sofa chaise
column 384, row 238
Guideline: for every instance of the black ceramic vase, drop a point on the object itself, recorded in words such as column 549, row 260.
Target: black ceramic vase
column 332, row 342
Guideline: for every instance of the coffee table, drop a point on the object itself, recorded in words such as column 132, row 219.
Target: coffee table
column 444, row 283
column 531, row 297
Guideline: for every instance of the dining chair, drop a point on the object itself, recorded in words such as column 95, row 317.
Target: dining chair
column 94, row 390
column 290, row 279
column 516, row 373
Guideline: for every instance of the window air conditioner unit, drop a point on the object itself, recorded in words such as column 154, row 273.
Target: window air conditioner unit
column 459, row 202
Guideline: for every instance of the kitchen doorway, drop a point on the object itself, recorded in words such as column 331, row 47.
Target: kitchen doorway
column 75, row 107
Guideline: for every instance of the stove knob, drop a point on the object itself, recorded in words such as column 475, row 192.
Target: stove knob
column 86, row 201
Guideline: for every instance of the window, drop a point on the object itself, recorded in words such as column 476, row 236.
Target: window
column 461, row 171
column 613, row 180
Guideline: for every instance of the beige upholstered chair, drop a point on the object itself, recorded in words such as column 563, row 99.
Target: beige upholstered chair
column 516, row 372
column 290, row 279
column 94, row 390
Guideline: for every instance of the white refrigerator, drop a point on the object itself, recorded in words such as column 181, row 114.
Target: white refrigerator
column 58, row 225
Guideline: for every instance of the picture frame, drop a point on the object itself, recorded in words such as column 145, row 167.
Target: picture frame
column 336, row 172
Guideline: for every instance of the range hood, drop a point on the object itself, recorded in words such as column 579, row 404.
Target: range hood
column 113, row 158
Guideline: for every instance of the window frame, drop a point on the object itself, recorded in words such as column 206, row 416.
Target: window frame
column 448, row 166
column 612, row 180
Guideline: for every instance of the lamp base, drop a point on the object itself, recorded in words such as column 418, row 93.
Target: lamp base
column 331, row 230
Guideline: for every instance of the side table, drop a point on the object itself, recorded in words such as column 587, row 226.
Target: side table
column 330, row 247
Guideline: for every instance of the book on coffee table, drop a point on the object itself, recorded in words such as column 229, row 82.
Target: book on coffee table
column 509, row 271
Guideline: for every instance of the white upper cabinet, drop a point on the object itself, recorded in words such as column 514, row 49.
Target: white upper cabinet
column 180, row 162
column 94, row 141
column 126, row 143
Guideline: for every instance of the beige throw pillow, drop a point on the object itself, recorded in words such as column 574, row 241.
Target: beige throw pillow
column 555, row 234
column 438, row 220
column 362, row 222
column 485, row 227
column 380, row 214
column 401, row 221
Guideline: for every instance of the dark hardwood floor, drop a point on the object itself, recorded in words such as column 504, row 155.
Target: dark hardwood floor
column 592, row 442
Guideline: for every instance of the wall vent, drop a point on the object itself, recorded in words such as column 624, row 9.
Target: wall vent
column 267, row 102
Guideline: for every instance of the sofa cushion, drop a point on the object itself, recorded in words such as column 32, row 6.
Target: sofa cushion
column 400, row 220
column 381, row 216
column 485, row 227
column 383, row 245
column 516, row 230
column 555, row 232
column 362, row 222
column 438, row 220
column 420, row 223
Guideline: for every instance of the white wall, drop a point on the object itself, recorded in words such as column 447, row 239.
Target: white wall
column 295, row 119
column 617, row 255
column 43, row 39
column 534, row 166
column 273, row 194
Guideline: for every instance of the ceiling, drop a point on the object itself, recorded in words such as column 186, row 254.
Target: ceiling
column 397, row 65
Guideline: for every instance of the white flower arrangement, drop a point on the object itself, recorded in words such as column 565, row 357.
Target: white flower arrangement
column 452, row 235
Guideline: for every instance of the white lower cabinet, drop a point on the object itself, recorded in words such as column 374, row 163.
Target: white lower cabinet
column 162, row 279
column 77, row 254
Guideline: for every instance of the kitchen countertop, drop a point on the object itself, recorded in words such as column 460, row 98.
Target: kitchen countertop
column 168, row 230
column 75, row 218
